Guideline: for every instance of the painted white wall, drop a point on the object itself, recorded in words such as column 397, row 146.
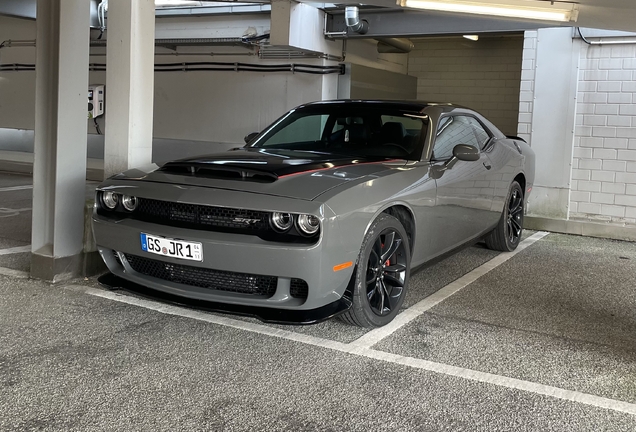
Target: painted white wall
column 17, row 89
column 201, row 106
column 483, row 75
column 225, row 106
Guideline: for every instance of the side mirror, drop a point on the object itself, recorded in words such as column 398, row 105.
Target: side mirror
column 249, row 137
column 465, row 152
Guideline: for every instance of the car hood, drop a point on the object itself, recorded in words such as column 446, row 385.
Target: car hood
column 287, row 173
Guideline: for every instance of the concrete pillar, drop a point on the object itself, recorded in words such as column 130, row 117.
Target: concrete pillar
column 547, row 115
column 330, row 85
column 59, row 177
column 129, row 84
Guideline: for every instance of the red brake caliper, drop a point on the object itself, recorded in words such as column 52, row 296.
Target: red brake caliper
column 387, row 263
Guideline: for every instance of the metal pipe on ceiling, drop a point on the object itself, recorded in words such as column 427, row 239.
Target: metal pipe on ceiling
column 12, row 43
column 353, row 21
column 200, row 54
column 605, row 42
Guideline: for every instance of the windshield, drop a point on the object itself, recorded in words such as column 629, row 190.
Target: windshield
column 348, row 130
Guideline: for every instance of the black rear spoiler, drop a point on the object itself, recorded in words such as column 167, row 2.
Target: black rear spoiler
column 516, row 138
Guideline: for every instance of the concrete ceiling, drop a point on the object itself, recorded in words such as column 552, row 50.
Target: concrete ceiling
column 608, row 14
column 602, row 14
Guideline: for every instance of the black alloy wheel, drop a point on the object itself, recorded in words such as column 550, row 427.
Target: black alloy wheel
column 386, row 272
column 382, row 274
column 514, row 224
column 507, row 235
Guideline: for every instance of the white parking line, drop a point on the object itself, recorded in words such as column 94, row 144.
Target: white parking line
column 15, row 250
column 469, row 374
column 10, row 212
column 403, row 318
column 16, row 188
column 14, row 273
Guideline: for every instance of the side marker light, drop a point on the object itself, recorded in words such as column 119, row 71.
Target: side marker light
column 343, row 266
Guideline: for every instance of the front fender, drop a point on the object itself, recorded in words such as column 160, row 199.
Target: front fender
column 358, row 206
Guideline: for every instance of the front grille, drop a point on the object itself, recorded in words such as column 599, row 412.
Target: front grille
column 207, row 218
column 201, row 216
column 299, row 289
column 205, row 278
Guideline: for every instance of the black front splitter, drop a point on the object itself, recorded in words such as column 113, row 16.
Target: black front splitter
column 269, row 315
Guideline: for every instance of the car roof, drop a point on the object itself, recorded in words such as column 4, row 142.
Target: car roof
column 415, row 106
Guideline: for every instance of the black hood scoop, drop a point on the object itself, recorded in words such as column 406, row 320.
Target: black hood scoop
column 260, row 165
column 222, row 172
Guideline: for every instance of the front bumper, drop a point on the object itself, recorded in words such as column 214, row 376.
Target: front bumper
column 269, row 315
column 237, row 253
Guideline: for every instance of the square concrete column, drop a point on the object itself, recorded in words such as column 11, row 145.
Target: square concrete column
column 547, row 115
column 59, row 177
column 130, row 81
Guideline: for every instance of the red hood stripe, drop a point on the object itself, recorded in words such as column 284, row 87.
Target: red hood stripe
column 338, row 167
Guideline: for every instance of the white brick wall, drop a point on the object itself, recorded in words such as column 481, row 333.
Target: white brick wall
column 482, row 75
column 527, row 85
column 604, row 167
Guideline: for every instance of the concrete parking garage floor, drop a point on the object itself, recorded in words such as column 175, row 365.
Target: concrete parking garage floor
column 540, row 340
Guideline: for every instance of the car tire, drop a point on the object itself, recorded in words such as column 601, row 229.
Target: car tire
column 380, row 284
column 507, row 235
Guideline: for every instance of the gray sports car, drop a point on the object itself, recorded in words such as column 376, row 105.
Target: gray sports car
column 326, row 212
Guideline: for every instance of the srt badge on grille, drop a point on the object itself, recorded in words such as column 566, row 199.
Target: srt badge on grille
column 246, row 221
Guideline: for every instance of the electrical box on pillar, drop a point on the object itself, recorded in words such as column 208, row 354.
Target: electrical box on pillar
column 95, row 100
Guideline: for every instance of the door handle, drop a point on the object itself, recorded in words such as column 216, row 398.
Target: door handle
column 487, row 166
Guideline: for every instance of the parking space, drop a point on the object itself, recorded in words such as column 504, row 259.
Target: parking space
column 111, row 366
column 560, row 314
column 542, row 339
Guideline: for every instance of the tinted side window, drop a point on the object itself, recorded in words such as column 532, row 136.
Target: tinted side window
column 452, row 131
column 482, row 135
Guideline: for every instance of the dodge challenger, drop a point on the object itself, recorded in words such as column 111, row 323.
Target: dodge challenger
column 324, row 213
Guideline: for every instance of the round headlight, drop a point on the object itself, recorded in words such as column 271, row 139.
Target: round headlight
column 282, row 221
column 129, row 202
column 308, row 224
column 110, row 200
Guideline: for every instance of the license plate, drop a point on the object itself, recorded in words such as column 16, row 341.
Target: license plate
column 171, row 248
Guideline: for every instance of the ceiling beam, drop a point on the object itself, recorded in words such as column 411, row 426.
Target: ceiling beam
column 402, row 23
column 26, row 9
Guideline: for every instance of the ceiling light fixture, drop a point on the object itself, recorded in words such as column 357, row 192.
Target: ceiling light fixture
column 176, row 3
column 472, row 37
column 526, row 9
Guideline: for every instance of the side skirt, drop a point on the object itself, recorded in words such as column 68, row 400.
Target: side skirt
column 442, row 257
